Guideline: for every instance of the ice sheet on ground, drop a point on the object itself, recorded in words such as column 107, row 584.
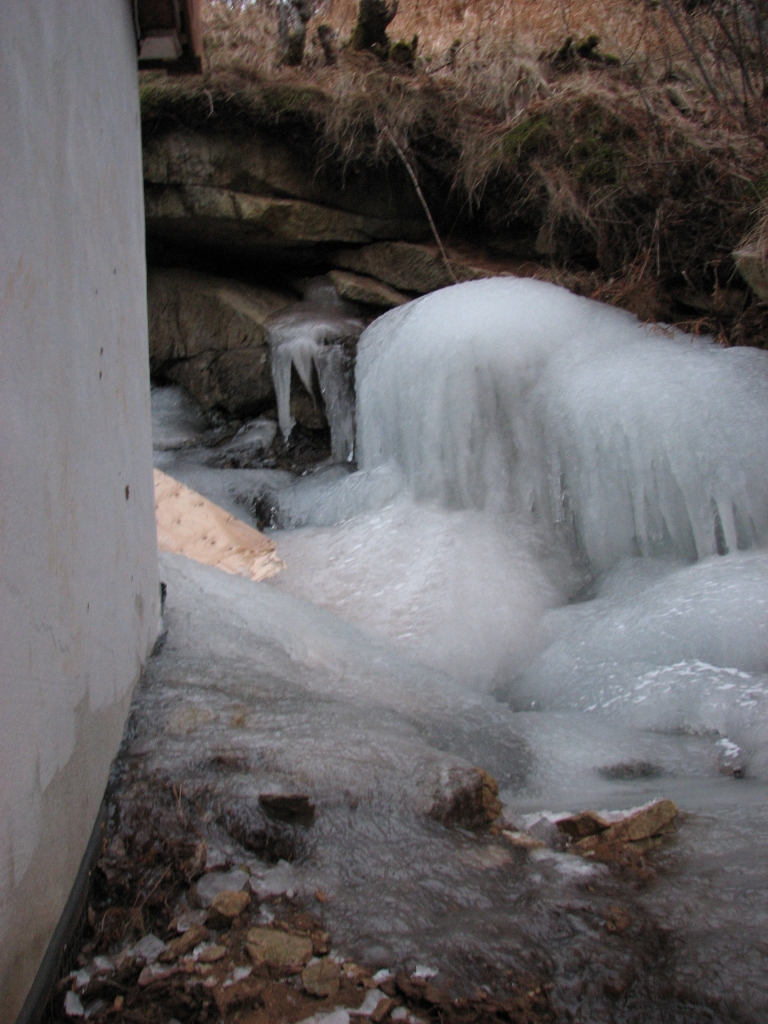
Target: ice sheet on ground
column 304, row 699
column 679, row 650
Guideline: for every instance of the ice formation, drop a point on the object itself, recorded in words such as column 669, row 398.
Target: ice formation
column 524, row 442
column 513, row 394
column 310, row 336
column 551, row 563
column 520, row 448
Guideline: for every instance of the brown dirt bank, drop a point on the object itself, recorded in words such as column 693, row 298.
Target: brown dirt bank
column 618, row 172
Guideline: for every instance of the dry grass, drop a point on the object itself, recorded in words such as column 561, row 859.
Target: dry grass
column 640, row 172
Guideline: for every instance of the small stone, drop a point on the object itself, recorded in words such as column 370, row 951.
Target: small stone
column 118, row 1004
column 355, row 973
column 277, row 948
column 522, row 840
column 372, row 999
column 644, row 823
column 212, row 954
column 229, row 904
column 188, row 919
column 579, row 826
column 243, row 992
column 81, row 978
column 149, row 948
column 216, row 859
column 154, row 972
column 73, row 1006
column 187, row 941
column 321, row 943
column 215, row 882
column 411, row 989
column 321, row 978
column 617, row 920
column 467, row 797
column 103, row 965
column 383, row 1008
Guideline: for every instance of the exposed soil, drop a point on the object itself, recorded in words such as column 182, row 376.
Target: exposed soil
column 627, row 175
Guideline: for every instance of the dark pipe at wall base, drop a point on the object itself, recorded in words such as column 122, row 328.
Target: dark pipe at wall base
column 65, row 941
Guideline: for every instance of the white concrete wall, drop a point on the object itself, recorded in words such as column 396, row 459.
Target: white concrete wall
column 78, row 566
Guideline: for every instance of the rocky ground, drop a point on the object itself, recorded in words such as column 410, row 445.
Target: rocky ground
column 184, row 923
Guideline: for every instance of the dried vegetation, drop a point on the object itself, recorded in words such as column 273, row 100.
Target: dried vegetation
column 623, row 142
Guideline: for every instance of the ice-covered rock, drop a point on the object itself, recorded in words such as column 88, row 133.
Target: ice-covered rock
column 210, row 885
column 148, row 949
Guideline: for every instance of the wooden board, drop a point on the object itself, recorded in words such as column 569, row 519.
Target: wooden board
column 189, row 524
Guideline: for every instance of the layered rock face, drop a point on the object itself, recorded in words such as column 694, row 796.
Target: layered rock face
column 258, row 206
column 257, row 196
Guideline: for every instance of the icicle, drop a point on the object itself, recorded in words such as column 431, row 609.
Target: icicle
column 307, row 336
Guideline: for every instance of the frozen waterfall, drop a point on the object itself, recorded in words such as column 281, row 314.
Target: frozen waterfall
column 514, row 395
column 528, row 446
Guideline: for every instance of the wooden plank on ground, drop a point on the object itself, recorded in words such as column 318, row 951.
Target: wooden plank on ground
column 189, row 524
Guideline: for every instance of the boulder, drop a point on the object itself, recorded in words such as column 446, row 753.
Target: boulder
column 413, row 268
column 207, row 334
column 358, row 288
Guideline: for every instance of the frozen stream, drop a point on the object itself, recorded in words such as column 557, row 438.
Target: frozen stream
column 550, row 563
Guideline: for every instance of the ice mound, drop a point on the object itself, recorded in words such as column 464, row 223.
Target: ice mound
column 664, row 647
column 459, row 591
column 515, row 395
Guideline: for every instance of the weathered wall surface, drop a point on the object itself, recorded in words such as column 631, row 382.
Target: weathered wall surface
column 78, row 568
